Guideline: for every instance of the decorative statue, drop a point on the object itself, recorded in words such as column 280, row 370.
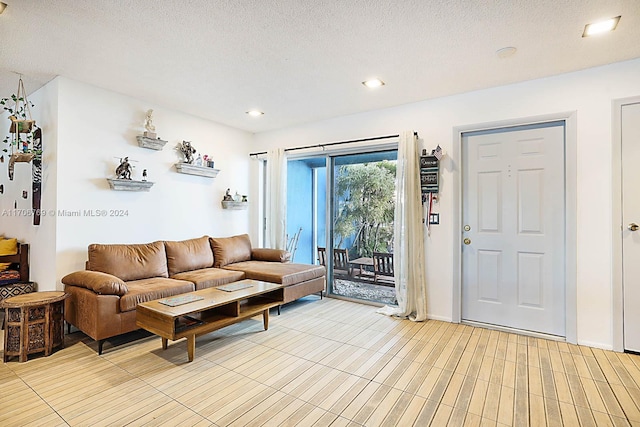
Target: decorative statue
column 187, row 151
column 144, row 174
column 227, row 196
column 123, row 171
column 148, row 122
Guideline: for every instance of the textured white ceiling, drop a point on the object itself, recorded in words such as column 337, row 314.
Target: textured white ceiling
column 302, row 60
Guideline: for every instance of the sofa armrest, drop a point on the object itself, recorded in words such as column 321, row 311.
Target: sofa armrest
column 274, row 255
column 101, row 283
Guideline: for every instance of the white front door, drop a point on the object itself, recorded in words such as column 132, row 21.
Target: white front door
column 513, row 237
column 630, row 132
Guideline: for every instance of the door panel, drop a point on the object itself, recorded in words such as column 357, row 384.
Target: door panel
column 631, row 214
column 530, row 283
column 530, row 201
column 489, row 267
column 513, row 202
column 490, row 200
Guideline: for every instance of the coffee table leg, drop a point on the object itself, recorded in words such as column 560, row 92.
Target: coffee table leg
column 164, row 343
column 191, row 347
column 265, row 319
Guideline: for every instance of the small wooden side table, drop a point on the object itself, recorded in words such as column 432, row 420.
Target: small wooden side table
column 33, row 323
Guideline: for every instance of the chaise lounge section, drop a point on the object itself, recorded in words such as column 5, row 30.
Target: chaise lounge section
column 103, row 298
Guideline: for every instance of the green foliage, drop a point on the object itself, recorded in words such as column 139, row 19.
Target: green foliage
column 365, row 207
column 17, row 107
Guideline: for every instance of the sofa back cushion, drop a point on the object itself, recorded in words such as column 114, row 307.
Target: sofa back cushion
column 188, row 255
column 227, row 250
column 129, row 262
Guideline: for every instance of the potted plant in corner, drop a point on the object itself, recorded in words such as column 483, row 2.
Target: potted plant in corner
column 20, row 140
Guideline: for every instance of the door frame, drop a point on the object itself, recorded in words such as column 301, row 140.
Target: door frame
column 617, row 290
column 570, row 167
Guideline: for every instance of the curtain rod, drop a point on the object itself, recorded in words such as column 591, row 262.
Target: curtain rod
column 328, row 144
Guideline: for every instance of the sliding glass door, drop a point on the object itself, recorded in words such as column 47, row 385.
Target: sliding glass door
column 340, row 214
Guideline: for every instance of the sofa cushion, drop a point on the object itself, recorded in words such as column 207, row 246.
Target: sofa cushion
column 275, row 272
column 129, row 261
column 227, row 250
column 7, row 247
column 154, row 288
column 188, row 255
column 9, row 277
column 101, row 283
column 275, row 255
column 210, row 277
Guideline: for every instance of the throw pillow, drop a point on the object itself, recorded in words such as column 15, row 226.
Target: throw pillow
column 8, row 247
column 227, row 250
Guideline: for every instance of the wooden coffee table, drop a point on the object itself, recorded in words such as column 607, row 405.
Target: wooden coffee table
column 215, row 310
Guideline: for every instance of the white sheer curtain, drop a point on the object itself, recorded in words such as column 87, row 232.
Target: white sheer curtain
column 276, row 199
column 408, row 235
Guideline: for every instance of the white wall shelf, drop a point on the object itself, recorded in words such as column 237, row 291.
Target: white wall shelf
column 197, row 170
column 129, row 185
column 232, row 205
column 150, row 143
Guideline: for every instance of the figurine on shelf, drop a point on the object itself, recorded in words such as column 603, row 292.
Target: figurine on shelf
column 198, row 161
column 148, row 125
column 187, row 151
column 244, row 199
column 123, row 171
column 227, row 196
column 144, row 174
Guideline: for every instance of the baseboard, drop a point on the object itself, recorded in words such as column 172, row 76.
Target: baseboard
column 595, row 345
column 514, row 330
column 440, row 318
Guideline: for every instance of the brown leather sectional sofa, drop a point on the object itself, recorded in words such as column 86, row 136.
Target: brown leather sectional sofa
column 103, row 298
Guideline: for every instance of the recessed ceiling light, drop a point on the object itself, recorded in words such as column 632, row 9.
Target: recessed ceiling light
column 506, row 52
column 3, row 6
column 600, row 27
column 373, row 83
column 255, row 113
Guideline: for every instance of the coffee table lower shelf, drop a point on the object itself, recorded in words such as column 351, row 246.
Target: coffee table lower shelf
column 216, row 310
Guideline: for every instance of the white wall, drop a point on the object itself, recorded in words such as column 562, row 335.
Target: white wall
column 86, row 131
column 97, row 128
column 589, row 93
column 15, row 222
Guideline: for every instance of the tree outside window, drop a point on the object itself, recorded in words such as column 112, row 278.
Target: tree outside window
column 365, row 195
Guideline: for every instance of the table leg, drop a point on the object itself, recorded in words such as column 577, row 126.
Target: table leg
column 24, row 332
column 191, row 346
column 6, row 335
column 265, row 319
column 164, row 343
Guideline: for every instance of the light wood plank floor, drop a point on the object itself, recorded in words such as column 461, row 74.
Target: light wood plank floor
column 322, row 363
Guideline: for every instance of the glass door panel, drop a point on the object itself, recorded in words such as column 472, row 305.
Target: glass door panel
column 359, row 194
column 363, row 198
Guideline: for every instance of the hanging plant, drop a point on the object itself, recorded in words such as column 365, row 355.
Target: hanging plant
column 20, row 138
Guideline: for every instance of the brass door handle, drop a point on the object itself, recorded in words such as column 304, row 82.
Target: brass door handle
column 633, row 226
column 467, row 241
